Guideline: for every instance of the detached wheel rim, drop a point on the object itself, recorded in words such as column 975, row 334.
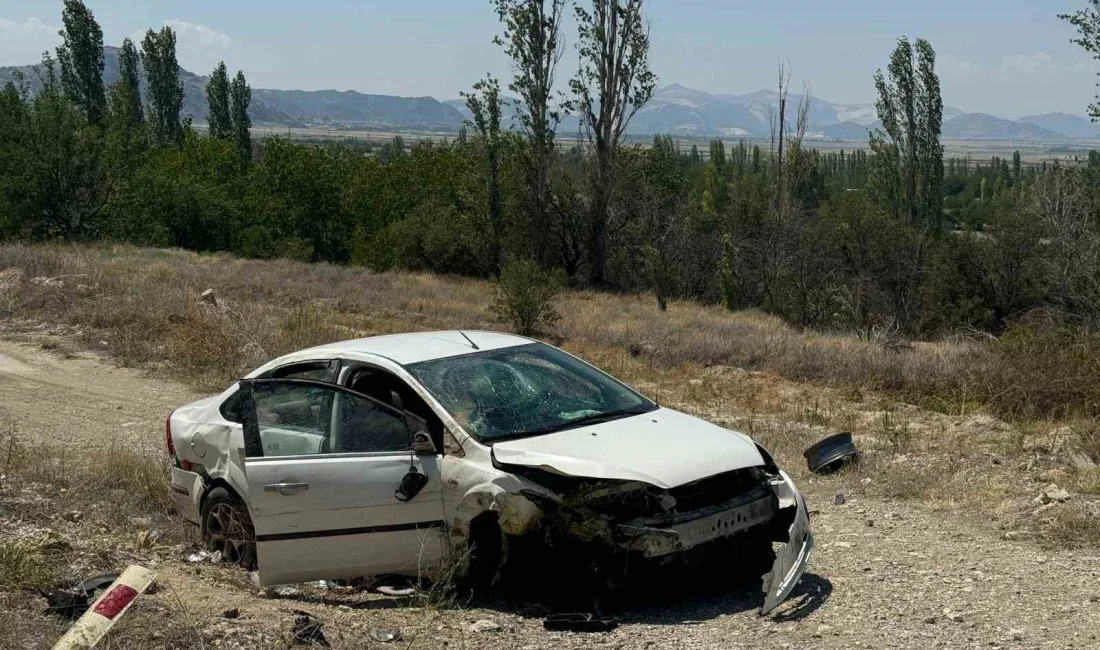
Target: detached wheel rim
column 226, row 533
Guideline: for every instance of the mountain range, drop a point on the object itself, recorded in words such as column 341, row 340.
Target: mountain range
column 674, row 109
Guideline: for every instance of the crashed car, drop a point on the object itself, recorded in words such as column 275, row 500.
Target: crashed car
column 406, row 453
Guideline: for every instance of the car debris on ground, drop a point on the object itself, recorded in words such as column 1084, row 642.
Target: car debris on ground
column 107, row 609
column 72, row 600
column 307, row 629
column 831, row 454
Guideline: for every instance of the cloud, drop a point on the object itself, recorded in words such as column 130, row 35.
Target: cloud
column 1028, row 65
column 23, row 43
column 198, row 47
column 954, row 67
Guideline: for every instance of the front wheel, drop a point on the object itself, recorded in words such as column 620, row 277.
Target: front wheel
column 227, row 528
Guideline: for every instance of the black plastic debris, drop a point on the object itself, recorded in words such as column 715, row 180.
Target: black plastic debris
column 72, row 600
column 307, row 630
column 831, row 454
column 580, row 622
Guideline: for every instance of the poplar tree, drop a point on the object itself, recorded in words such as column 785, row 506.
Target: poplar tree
column 613, row 83
column 1087, row 22
column 241, row 125
column 217, row 102
column 484, row 104
column 907, row 175
column 158, row 55
column 532, row 40
column 80, row 57
column 126, row 93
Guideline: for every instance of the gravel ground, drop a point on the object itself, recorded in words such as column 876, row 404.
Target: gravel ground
column 884, row 574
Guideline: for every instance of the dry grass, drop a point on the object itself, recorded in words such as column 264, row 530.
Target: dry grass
column 747, row 370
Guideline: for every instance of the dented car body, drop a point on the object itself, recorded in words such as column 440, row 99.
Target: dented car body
column 408, row 453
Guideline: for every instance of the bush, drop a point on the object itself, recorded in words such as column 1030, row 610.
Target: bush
column 525, row 297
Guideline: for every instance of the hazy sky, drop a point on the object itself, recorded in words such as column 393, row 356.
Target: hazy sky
column 1008, row 57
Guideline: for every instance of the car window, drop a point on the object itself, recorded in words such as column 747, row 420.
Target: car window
column 314, row 370
column 297, row 418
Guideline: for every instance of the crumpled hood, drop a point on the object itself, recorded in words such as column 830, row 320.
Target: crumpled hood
column 665, row 448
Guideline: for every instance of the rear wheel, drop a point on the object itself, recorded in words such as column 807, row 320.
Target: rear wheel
column 227, row 528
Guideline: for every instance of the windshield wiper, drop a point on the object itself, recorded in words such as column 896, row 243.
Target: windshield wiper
column 595, row 418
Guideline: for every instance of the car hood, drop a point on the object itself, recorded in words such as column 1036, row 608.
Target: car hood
column 665, row 448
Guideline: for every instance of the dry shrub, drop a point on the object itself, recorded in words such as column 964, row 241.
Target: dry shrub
column 1074, row 525
column 1043, row 370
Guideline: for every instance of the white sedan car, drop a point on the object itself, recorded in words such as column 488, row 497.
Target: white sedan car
column 404, row 454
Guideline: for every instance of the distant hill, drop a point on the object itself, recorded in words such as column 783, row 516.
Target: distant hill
column 1071, row 126
column 980, row 126
column 294, row 107
column 675, row 109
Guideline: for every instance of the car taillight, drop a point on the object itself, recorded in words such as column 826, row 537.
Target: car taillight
column 169, row 447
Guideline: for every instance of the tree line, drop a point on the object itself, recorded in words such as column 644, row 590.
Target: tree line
column 887, row 238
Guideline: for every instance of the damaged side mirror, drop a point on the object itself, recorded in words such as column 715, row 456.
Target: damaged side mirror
column 422, row 444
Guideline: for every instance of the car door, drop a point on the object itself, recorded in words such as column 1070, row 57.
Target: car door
column 323, row 464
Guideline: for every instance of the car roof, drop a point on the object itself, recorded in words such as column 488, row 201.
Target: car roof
column 415, row 347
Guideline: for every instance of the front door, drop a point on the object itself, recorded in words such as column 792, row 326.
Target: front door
column 322, row 466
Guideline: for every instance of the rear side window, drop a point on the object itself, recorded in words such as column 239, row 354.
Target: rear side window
column 231, row 408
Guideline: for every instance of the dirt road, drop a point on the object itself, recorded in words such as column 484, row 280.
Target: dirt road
column 884, row 574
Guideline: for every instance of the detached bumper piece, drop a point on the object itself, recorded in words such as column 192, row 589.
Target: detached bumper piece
column 791, row 558
column 656, row 537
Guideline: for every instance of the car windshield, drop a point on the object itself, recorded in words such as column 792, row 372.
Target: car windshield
column 525, row 391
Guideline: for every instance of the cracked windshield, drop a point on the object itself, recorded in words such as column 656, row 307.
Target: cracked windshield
column 524, row 391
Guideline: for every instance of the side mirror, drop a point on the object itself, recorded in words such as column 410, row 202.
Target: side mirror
column 422, row 443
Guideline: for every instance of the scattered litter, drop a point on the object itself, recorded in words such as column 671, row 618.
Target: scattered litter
column 839, row 499
column 205, row 556
column 208, row 297
column 307, row 629
column 107, row 609
column 385, row 636
column 287, row 592
column 147, row 538
column 231, row 613
column 485, row 625
column 399, row 592
column 831, row 454
column 579, row 622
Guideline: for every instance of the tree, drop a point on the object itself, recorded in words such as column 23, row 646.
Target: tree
column 240, row 123
column 217, row 101
column 908, row 172
column 158, row 54
column 484, row 104
column 80, row 56
column 125, row 93
column 613, row 83
column 532, row 40
column 1087, row 22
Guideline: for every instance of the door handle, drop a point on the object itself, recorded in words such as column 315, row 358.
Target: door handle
column 286, row 489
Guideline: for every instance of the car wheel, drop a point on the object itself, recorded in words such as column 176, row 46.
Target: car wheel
column 227, row 528
column 485, row 554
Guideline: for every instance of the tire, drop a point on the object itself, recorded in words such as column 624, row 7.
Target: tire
column 485, row 554
column 226, row 527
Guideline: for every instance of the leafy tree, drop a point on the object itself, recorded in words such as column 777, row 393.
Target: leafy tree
column 158, row 54
column 525, row 297
column 613, row 83
column 484, row 104
column 217, row 101
column 1087, row 22
column 532, row 41
column 908, row 173
column 716, row 184
column 125, row 93
column 80, row 56
column 241, row 96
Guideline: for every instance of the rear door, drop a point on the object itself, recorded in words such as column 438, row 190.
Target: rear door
column 323, row 463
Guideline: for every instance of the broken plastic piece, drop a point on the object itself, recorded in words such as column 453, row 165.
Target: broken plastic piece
column 831, row 454
column 399, row 592
column 385, row 636
column 107, row 609
column 580, row 622
column 72, row 601
column 307, row 629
